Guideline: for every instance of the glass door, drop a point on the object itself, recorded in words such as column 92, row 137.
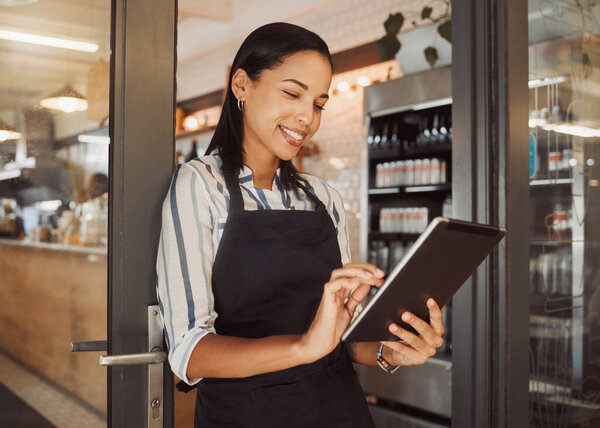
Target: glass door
column 54, row 168
column 86, row 157
column 564, row 170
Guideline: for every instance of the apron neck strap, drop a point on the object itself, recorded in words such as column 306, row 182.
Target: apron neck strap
column 232, row 181
column 237, row 202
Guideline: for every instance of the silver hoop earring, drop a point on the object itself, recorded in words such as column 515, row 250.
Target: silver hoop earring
column 240, row 105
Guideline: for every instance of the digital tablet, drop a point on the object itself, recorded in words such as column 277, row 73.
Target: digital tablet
column 437, row 265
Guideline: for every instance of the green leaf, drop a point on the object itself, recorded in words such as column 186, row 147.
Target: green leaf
column 388, row 47
column 445, row 30
column 393, row 24
column 426, row 12
column 431, row 55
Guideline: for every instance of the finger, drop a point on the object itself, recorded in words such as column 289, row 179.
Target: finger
column 425, row 330
column 366, row 276
column 407, row 355
column 357, row 297
column 366, row 266
column 344, row 285
column 410, row 338
column 435, row 316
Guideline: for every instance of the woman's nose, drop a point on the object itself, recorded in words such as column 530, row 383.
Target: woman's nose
column 305, row 114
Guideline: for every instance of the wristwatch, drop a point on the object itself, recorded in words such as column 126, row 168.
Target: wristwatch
column 382, row 362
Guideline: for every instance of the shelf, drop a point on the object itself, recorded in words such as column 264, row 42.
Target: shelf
column 446, row 187
column 551, row 182
column 551, row 242
column 411, row 152
column 195, row 132
column 393, row 235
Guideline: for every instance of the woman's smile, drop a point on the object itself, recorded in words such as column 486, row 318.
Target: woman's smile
column 292, row 136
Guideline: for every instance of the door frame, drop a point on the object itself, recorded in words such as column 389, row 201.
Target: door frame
column 142, row 122
column 490, row 317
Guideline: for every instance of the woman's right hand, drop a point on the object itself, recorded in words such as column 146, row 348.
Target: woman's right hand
column 336, row 308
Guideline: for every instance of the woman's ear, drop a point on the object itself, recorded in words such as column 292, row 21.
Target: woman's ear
column 240, row 84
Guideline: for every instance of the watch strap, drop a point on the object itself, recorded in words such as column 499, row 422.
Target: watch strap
column 383, row 363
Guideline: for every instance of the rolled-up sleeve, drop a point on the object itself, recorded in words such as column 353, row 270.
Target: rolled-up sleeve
column 184, row 267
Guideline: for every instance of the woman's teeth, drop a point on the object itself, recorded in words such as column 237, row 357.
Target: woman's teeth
column 292, row 134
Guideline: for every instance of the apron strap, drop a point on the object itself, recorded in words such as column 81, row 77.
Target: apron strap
column 232, row 181
column 310, row 194
column 237, row 202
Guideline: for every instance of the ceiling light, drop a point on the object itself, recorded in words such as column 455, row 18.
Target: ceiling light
column 536, row 121
column 56, row 42
column 16, row 2
column 7, row 132
column 576, row 130
column 364, row 81
column 343, row 86
column 67, row 100
column 190, row 123
column 537, row 83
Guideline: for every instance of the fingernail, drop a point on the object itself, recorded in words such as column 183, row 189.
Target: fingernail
column 379, row 271
column 430, row 302
column 393, row 327
column 406, row 317
column 369, row 274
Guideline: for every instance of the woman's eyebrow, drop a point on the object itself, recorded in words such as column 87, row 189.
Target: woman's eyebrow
column 304, row 86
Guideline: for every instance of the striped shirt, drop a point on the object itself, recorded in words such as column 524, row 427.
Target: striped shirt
column 194, row 214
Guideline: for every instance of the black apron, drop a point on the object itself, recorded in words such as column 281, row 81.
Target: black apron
column 267, row 279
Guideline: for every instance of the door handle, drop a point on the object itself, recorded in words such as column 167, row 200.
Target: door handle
column 144, row 358
column 153, row 359
column 90, row 346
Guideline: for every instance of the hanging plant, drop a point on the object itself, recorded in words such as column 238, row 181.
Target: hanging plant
column 389, row 45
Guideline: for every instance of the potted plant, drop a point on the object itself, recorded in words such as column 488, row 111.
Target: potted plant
column 432, row 26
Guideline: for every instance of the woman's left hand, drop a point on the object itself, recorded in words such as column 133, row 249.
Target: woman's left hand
column 415, row 349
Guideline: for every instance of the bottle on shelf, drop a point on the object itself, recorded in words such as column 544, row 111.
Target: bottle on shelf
column 379, row 175
column 384, row 136
column 435, row 171
column 447, row 207
column 395, row 139
column 443, row 137
column 371, row 136
column 377, row 138
column 435, row 134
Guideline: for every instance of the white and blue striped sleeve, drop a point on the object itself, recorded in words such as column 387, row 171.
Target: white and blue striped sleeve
column 184, row 267
column 339, row 216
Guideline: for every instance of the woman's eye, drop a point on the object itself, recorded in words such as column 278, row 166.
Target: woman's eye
column 291, row 95
column 318, row 107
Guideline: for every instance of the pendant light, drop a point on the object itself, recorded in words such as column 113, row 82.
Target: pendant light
column 7, row 132
column 67, row 100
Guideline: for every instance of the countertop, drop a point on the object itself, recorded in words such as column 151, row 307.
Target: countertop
column 55, row 247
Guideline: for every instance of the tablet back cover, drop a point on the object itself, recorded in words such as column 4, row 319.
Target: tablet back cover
column 437, row 265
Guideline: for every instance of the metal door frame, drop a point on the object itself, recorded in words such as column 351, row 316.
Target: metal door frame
column 490, row 320
column 142, row 118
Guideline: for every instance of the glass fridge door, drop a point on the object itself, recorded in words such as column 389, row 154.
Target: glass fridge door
column 564, row 142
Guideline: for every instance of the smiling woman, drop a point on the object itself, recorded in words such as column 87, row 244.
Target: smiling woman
column 253, row 267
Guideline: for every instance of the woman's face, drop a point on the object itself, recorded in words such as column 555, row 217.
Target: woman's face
column 283, row 108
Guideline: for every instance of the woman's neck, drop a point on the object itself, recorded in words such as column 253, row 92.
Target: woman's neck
column 263, row 169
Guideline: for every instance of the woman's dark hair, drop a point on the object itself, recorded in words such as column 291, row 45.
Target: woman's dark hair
column 265, row 48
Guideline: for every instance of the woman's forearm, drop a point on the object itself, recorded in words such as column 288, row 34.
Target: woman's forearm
column 226, row 356
column 364, row 352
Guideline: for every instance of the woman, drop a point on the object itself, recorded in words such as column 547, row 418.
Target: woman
column 252, row 280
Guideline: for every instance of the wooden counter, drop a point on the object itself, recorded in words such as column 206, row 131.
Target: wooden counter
column 51, row 295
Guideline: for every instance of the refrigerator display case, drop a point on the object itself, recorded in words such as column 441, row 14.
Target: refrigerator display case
column 564, row 150
column 407, row 182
